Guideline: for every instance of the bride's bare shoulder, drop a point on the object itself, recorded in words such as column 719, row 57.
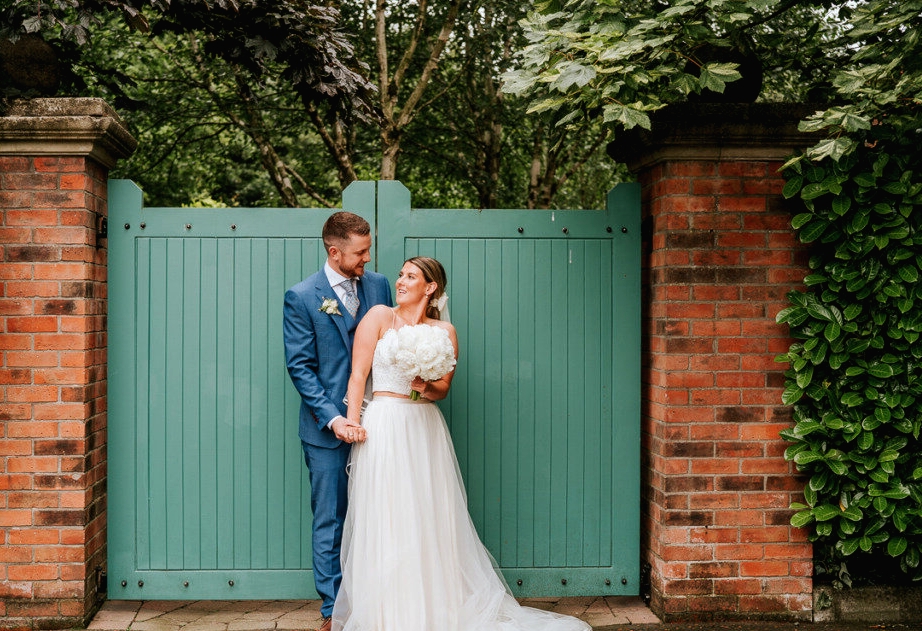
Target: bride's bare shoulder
column 379, row 311
column 378, row 317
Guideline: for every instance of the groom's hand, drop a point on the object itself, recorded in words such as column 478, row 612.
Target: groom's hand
column 348, row 431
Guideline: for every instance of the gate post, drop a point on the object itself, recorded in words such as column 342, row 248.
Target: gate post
column 55, row 156
column 719, row 258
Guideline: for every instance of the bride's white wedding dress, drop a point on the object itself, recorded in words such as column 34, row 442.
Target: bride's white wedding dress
column 411, row 558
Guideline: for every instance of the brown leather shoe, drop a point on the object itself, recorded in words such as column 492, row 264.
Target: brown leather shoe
column 327, row 624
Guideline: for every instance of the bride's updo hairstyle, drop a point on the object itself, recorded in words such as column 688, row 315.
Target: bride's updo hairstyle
column 433, row 272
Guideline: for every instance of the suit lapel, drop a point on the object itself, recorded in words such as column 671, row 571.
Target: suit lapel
column 324, row 289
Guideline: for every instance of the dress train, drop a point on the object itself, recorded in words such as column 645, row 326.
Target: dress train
column 411, row 557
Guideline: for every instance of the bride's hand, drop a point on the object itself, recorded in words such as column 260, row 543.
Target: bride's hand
column 419, row 384
column 348, row 431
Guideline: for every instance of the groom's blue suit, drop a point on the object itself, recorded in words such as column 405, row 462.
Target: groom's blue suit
column 318, row 349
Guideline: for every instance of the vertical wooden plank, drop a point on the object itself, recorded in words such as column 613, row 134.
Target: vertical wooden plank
column 140, row 450
column 191, row 447
column 208, row 402
column 479, row 372
column 610, row 338
column 297, row 504
column 623, row 204
column 275, row 377
column 490, row 431
column 594, row 276
column 171, row 464
column 242, row 500
column 506, row 356
column 224, row 327
column 544, row 391
column 462, row 396
column 525, row 392
column 261, row 460
column 578, row 368
column 123, row 533
column 560, row 506
column 157, row 509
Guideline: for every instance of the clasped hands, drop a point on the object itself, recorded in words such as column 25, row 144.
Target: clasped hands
column 348, row 431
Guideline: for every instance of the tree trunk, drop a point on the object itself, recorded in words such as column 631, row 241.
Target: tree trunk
column 396, row 119
column 336, row 138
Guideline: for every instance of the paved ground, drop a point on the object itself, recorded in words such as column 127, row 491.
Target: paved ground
column 304, row 615
column 609, row 613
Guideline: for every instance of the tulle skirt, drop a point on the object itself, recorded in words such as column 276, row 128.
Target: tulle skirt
column 411, row 558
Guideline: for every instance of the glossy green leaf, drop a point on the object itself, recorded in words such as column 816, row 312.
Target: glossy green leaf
column 813, row 190
column 848, row 546
column 806, row 457
column 897, row 546
column 802, row 518
column 813, row 230
column 841, row 204
column 826, row 512
column 881, row 371
column 909, row 273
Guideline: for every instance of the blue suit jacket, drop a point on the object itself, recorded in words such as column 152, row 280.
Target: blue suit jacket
column 318, row 349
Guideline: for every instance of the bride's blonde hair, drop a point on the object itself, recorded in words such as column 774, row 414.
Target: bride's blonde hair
column 433, row 272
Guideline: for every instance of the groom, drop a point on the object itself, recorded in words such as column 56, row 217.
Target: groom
column 319, row 321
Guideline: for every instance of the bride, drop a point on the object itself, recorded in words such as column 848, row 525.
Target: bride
column 411, row 558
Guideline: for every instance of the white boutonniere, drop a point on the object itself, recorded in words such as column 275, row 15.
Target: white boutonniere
column 330, row 307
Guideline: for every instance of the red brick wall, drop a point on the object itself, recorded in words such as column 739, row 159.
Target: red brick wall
column 720, row 260
column 52, row 387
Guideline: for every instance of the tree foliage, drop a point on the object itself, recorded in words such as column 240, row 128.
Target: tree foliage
column 622, row 60
column 227, row 113
column 302, row 37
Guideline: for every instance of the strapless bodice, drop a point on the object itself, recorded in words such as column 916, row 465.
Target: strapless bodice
column 385, row 373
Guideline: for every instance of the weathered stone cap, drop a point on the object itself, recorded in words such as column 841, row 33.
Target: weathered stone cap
column 716, row 131
column 65, row 127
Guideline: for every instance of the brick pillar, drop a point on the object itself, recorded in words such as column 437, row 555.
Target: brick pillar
column 719, row 256
column 55, row 156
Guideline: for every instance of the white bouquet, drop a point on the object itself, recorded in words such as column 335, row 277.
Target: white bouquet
column 424, row 351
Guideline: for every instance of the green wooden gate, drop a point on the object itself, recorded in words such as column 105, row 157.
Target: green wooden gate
column 208, row 492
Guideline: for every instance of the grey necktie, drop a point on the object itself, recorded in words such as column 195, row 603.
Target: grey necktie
column 350, row 298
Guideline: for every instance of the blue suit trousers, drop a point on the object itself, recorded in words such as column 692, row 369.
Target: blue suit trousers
column 329, row 499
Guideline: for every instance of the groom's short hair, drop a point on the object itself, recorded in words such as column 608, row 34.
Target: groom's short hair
column 341, row 225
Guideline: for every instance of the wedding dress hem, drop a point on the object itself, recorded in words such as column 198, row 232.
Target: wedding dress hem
column 411, row 557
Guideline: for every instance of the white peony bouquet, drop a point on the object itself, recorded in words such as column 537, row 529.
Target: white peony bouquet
column 424, row 351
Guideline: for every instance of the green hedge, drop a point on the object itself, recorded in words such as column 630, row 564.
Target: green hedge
column 855, row 375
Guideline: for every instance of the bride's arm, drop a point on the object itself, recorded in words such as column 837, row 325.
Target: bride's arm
column 438, row 389
column 363, row 350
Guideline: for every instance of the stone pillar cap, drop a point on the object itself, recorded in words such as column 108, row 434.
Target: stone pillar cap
column 716, row 131
column 65, row 127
